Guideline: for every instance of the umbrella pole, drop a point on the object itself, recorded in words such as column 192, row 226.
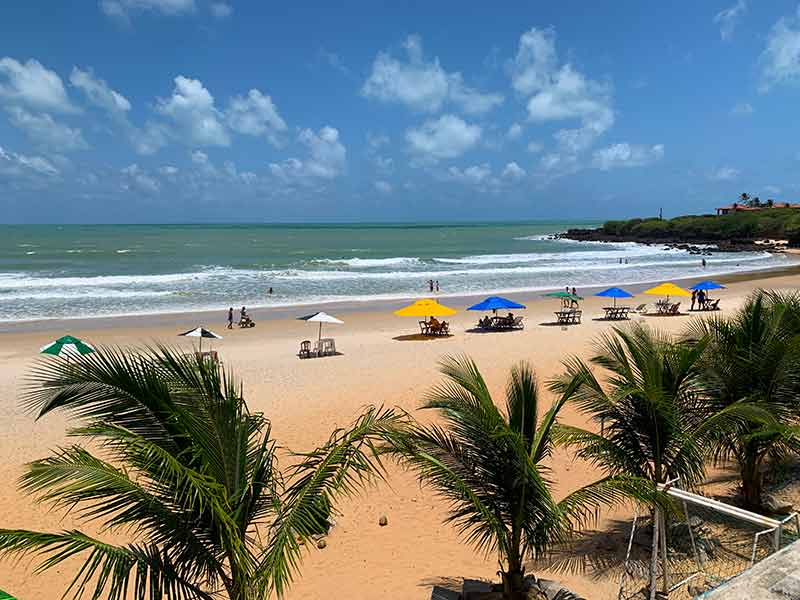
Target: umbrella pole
column 319, row 338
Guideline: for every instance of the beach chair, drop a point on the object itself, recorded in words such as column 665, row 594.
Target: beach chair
column 517, row 323
column 444, row 328
column 641, row 309
column 713, row 304
column 675, row 308
column 576, row 316
column 424, row 328
column 305, row 349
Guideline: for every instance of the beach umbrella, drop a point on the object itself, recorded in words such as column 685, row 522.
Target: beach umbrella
column 200, row 332
column 67, row 346
column 495, row 303
column 425, row 308
column 614, row 293
column 321, row 317
column 563, row 295
column 668, row 289
column 707, row 285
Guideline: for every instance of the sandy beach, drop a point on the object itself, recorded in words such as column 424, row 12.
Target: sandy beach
column 381, row 363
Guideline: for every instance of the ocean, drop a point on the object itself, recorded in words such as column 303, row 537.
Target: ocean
column 51, row 271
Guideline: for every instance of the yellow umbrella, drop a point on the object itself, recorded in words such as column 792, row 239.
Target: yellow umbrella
column 425, row 308
column 668, row 289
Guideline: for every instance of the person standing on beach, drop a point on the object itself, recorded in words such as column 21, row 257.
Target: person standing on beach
column 437, row 286
column 430, row 285
column 230, row 318
column 703, row 262
column 694, row 298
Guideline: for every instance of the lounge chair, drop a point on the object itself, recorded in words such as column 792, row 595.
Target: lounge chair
column 712, row 304
column 641, row 309
column 444, row 328
column 675, row 308
column 305, row 349
column 517, row 324
column 424, row 328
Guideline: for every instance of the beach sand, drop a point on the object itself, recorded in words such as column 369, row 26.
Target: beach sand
column 381, row 363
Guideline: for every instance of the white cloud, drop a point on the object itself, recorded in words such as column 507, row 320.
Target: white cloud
column 772, row 189
column 327, row 158
column 476, row 175
column 44, row 130
column 423, row 85
column 781, row 58
column 383, row 163
column 168, row 170
column 729, row 18
column 135, row 179
column 723, row 174
column 13, row 164
column 446, row 137
column 98, row 92
column 149, row 139
column 513, row 171
column 514, row 131
column 256, row 115
column 122, row 9
column 742, row 109
column 384, row 187
column 626, row 155
column 535, row 147
column 33, row 84
column 191, row 107
column 376, row 140
column 559, row 93
column 221, row 10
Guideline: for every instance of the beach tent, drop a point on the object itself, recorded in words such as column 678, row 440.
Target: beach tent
column 200, row 332
column 614, row 293
column 425, row 308
column 321, row 317
column 495, row 303
column 67, row 346
column 668, row 289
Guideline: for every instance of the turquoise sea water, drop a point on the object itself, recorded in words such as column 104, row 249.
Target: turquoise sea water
column 71, row 271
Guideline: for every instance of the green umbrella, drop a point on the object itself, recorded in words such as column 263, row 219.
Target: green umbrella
column 564, row 295
column 6, row 596
column 66, row 346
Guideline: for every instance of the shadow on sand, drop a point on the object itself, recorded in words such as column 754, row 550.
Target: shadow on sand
column 418, row 337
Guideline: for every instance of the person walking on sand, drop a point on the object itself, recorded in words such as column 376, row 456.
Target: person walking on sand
column 230, row 318
column 694, row 298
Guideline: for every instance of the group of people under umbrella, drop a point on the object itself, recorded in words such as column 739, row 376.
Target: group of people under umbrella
column 433, row 324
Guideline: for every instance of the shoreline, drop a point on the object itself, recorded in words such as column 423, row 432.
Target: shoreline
column 349, row 306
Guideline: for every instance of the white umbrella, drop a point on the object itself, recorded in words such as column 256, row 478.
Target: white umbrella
column 321, row 317
column 201, row 332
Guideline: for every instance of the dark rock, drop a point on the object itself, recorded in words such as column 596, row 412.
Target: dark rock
column 775, row 505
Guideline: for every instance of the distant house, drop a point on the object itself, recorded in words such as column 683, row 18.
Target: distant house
column 726, row 210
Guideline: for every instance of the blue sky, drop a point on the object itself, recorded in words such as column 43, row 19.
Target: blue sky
column 193, row 110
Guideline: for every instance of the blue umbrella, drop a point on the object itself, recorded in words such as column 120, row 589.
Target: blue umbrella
column 494, row 303
column 707, row 285
column 614, row 293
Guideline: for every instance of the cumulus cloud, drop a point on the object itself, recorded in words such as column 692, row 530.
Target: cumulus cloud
column 423, row 85
column 560, row 93
column 191, row 108
column 20, row 165
column 327, row 158
column 256, row 115
column 137, row 180
column 46, row 131
column 513, row 171
column 535, row 147
column 122, row 9
column 446, row 137
column 780, row 60
column 742, row 109
column 221, row 10
column 474, row 175
column 723, row 174
column 514, row 131
column 384, row 187
column 32, row 84
column 626, row 155
column 98, row 92
column 729, row 18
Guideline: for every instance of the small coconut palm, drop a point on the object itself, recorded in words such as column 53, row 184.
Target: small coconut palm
column 491, row 468
column 754, row 358
column 188, row 473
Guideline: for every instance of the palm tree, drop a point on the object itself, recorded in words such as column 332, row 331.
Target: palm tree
column 745, row 198
column 188, row 473
column 648, row 408
column 754, row 358
column 490, row 467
